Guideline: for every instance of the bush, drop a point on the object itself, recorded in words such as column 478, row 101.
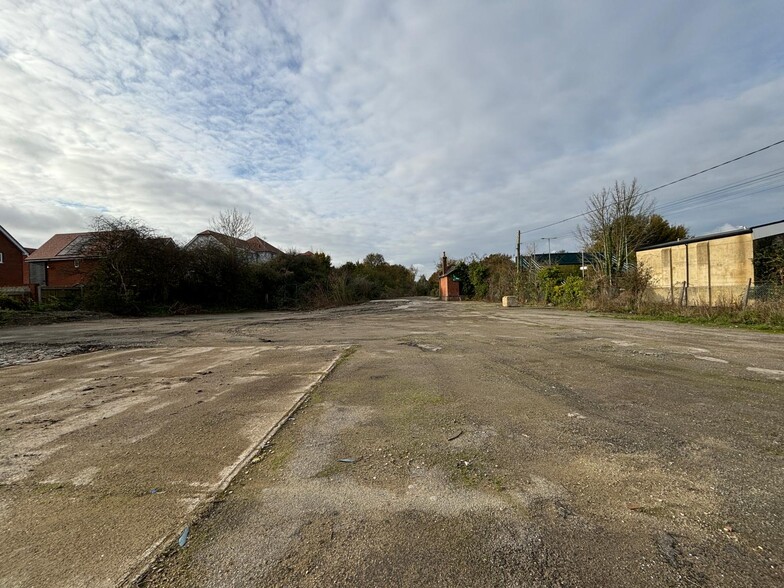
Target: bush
column 11, row 303
column 549, row 278
column 570, row 292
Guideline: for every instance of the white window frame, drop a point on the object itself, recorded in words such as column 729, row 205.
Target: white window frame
column 1, row 257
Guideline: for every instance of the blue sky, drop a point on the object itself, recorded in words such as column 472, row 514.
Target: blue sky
column 406, row 128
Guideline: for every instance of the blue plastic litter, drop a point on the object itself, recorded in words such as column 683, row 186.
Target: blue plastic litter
column 184, row 537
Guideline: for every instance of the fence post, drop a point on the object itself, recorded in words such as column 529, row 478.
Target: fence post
column 683, row 294
column 746, row 294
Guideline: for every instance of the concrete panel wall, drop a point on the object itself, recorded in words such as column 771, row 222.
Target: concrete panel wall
column 716, row 271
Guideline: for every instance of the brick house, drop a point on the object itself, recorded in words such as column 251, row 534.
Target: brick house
column 64, row 261
column 254, row 249
column 13, row 275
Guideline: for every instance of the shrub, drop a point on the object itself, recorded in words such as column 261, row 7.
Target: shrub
column 10, row 303
column 570, row 292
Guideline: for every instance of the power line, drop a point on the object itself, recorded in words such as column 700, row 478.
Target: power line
column 759, row 184
column 715, row 167
column 707, row 169
column 726, row 192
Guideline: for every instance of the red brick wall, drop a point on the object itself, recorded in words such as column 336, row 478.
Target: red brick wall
column 450, row 289
column 11, row 272
column 64, row 274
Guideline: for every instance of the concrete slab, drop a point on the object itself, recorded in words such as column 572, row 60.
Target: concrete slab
column 103, row 456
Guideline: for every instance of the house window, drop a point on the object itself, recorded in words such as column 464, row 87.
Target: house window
column 76, row 262
column 1, row 257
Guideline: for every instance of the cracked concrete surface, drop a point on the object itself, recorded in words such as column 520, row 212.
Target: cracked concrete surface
column 514, row 447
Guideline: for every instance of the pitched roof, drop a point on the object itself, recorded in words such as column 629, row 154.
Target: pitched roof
column 10, row 237
column 259, row 244
column 223, row 239
column 254, row 244
column 64, row 246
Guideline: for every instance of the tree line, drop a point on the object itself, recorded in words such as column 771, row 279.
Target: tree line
column 619, row 220
column 140, row 272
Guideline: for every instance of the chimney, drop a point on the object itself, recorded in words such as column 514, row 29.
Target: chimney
column 443, row 264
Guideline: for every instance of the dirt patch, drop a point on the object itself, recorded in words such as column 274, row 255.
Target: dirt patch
column 23, row 318
column 19, row 353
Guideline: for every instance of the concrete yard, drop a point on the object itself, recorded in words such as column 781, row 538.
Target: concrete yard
column 105, row 454
column 456, row 444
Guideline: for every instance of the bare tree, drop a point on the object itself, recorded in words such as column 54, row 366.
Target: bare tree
column 135, row 266
column 233, row 223
column 612, row 229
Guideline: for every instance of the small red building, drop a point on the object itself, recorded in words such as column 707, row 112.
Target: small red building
column 64, row 261
column 449, row 285
column 12, row 258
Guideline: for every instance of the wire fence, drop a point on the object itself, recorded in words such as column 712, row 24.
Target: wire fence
column 680, row 294
column 766, row 291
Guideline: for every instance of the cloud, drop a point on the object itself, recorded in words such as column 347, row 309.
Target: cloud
column 405, row 128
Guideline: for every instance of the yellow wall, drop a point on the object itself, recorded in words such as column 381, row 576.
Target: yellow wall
column 719, row 270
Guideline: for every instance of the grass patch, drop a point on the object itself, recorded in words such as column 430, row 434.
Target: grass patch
column 276, row 456
column 767, row 315
column 351, row 350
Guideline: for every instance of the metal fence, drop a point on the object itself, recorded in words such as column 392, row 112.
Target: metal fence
column 736, row 295
column 766, row 291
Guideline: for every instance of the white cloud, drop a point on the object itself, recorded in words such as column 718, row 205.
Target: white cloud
column 406, row 128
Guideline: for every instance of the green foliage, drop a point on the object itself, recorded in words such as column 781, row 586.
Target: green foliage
column 140, row 273
column 11, row 303
column 486, row 278
column 570, row 292
column 655, row 229
column 372, row 278
column 549, row 278
column 136, row 268
column 462, row 275
column 299, row 280
column 478, row 275
column 769, row 260
column 422, row 286
column 619, row 220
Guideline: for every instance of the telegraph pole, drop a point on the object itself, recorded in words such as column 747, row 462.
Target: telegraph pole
column 517, row 260
column 549, row 251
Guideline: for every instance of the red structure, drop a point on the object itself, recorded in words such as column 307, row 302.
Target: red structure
column 12, row 257
column 64, row 261
column 448, row 282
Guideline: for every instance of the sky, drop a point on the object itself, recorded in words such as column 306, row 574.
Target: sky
column 406, row 128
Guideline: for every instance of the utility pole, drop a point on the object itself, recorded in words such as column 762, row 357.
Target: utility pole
column 549, row 251
column 517, row 259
